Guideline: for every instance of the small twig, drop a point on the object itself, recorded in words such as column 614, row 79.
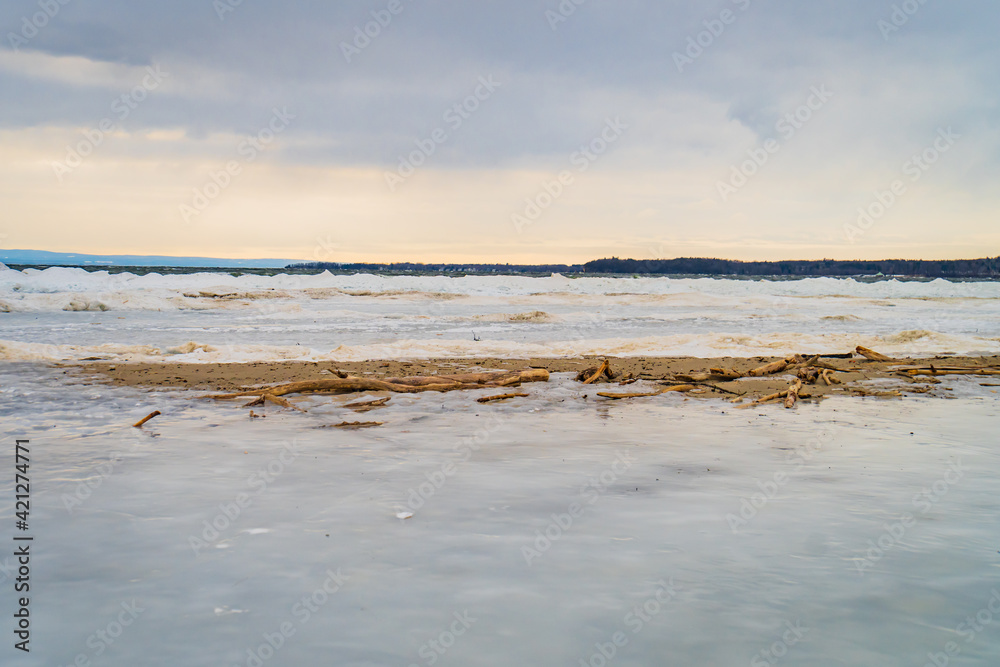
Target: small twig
column 145, row 419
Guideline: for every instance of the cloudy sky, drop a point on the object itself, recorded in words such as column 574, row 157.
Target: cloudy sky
column 521, row 131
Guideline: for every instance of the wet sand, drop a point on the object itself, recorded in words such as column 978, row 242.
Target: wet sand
column 227, row 377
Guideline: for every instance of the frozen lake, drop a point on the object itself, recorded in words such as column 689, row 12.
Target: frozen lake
column 72, row 314
column 854, row 532
column 551, row 530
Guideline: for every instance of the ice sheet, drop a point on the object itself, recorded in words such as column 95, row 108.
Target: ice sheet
column 699, row 532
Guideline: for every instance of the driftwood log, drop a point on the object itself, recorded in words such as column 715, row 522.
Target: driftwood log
column 411, row 385
column 665, row 390
column 769, row 369
column 793, row 394
column 953, row 371
column 501, row 397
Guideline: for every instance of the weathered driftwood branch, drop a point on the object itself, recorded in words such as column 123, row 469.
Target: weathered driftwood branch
column 769, row 369
column 604, row 368
column 268, row 398
column 138, row 424
column 871, row 355
column 723, row 374
column 341, row 386
column 953, row 371
column 797, row 387
column 664, row 390
column 826, row 366
column 501, row 397
column 861, row 391
column 719, row 389
column 353, row 425
column 365, row 406
column 491, row 378
column 413, row 385
column 810, row 375
column 829, row 379
column 677, row 382
column 764, row 399
column 793, row 394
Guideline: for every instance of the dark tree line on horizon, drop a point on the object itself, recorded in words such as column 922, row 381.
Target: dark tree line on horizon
column 958, row 268
column 400, row 267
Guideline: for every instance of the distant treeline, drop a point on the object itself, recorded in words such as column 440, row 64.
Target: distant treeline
column 412, row 267
column 958, row 268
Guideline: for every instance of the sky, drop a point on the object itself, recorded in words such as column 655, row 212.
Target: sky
column 489, row 131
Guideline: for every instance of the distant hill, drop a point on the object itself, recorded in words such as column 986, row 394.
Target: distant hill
column 46, row 258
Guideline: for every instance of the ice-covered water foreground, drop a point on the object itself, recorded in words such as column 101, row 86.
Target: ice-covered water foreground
column 61, row 313
column 551, row 531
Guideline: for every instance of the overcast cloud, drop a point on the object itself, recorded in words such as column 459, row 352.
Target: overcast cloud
column 890, row 81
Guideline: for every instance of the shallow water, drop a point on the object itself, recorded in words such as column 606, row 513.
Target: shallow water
column 654, row 529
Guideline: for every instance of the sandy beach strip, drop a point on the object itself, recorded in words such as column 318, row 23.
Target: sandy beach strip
column 853, row 373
